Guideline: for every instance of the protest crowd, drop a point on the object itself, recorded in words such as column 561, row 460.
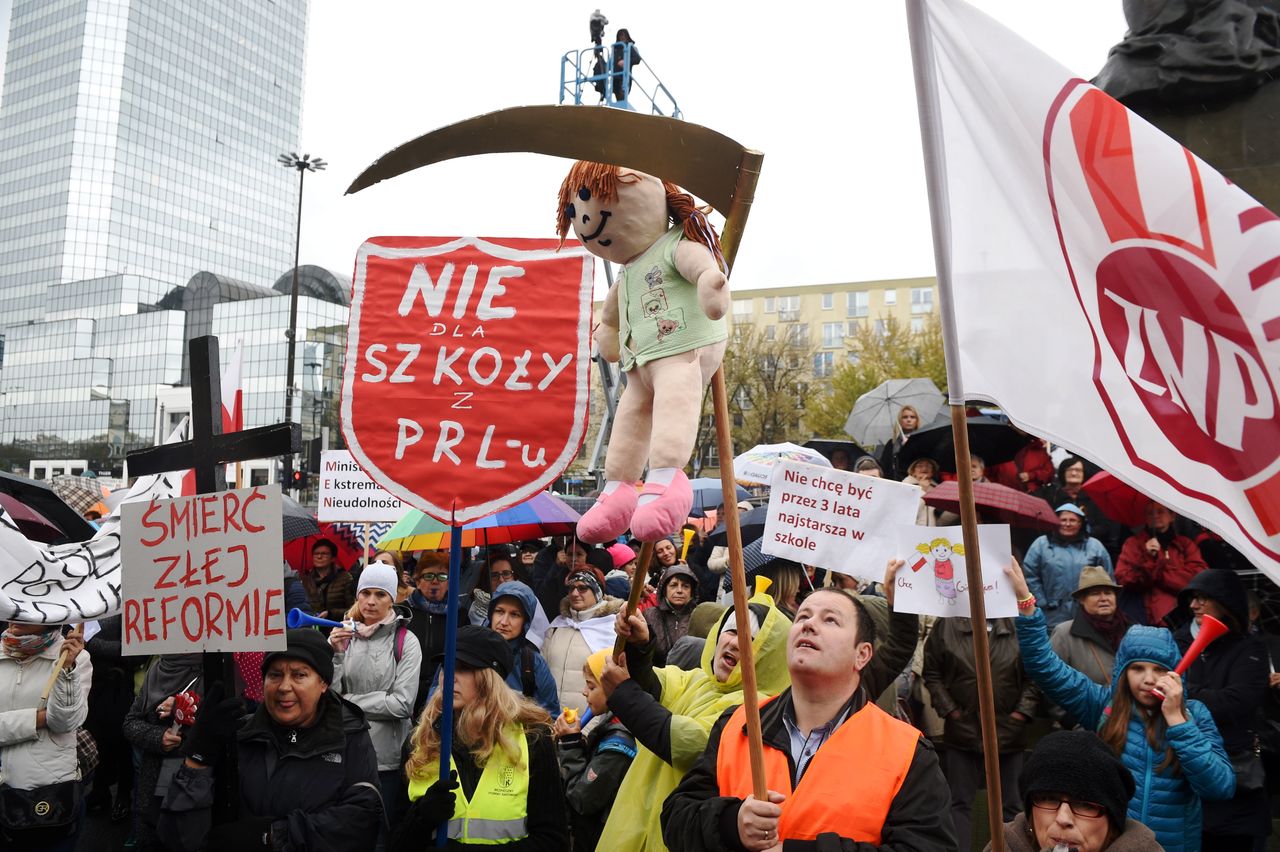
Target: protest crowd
column 869, row 715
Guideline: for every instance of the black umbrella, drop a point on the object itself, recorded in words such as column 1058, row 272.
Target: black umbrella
column 995, row 441
column 852, row 450
column 298, row 520
column 41, row 497
column 752, row 524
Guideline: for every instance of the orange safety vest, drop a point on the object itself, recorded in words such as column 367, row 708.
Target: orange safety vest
column 848, row 785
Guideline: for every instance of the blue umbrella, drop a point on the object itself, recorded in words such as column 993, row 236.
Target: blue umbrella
column 752, row 526
column 707, row 494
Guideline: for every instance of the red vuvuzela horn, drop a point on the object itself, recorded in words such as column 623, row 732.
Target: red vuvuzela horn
column 1210, row 629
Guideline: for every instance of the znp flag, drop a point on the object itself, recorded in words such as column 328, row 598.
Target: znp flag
column 1101, row 283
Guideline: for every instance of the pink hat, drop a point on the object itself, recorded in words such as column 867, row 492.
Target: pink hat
column 621, row 554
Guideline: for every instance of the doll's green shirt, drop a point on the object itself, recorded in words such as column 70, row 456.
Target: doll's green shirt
column 658, row 308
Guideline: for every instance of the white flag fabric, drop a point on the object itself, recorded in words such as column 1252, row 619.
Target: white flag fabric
column 1100, row 283
column 68, row 583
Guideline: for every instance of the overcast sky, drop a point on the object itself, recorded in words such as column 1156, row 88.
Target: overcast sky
column 824, row 89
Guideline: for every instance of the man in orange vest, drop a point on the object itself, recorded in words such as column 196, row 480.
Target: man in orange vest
column 840, row 771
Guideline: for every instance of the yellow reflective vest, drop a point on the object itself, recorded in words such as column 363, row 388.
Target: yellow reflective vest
column 496, row 811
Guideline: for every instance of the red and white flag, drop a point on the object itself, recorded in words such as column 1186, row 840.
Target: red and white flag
column 1098, row 281
column 232, row 391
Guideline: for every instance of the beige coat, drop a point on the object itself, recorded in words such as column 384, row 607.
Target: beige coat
column 566, row 651
column 33, row 757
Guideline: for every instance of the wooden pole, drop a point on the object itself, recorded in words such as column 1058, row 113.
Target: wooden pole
column 367, row 533
column 53, row 675
column 733, row 530
column 735, row 223
column 978, row 616
column 637, row 589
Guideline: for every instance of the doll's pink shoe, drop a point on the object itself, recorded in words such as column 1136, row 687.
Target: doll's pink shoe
column 609, row 517
column 664, row 516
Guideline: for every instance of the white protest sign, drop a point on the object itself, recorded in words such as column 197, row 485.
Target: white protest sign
column 836, row 519
column 933, row 580
column 347, row 493
column 203, row 573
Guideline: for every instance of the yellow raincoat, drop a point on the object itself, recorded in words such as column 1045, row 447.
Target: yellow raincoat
column 696, row 700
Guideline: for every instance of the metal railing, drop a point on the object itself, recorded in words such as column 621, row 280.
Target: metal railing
column 591, row 69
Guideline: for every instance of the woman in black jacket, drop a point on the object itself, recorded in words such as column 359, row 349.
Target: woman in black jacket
column 1230, row 677
column 669, row 620
column 307, row 771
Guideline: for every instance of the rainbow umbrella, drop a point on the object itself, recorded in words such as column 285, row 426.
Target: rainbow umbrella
column 541, row 515
column 755, row 466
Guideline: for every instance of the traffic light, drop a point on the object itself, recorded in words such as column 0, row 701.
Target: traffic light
column 298, row 480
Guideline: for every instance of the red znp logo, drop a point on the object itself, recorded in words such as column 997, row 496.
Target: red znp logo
column 1180, row 261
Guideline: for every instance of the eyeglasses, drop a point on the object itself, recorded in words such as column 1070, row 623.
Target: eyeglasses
column 428, row 577
column 1053, row 801
column 582, row 590
column 501, row 575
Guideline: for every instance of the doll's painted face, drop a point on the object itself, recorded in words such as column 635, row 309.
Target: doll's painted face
column 618, row 229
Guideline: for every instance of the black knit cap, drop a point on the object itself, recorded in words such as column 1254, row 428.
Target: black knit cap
column 307, row 645
column 481, row 648
column 1078, row 765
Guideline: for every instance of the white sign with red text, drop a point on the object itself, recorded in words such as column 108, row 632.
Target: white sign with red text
column 836, row 519
column 203, row 573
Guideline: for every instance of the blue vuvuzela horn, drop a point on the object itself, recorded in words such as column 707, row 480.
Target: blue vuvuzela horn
column 297, row 618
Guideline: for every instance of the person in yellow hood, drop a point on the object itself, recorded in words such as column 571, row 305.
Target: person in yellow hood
column 670, row 712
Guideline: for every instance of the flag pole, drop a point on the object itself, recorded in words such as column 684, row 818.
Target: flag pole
column 450, row 655
column 922, row 62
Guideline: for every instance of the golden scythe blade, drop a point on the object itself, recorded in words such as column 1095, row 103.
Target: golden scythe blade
column 700, row 160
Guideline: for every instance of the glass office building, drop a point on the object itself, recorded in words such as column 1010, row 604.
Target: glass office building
column 140, row 197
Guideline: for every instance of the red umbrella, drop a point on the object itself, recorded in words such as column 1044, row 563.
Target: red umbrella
column 298, row 551
column 1119, row 501
column 31, row 523
column 997, row 504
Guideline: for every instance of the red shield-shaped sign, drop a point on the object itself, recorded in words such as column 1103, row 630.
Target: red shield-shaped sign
column 466, row 375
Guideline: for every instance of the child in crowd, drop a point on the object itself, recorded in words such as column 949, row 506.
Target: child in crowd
column 1168, row 742
column 593, row 759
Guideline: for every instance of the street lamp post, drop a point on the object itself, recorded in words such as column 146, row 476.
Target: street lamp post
column 303, row 164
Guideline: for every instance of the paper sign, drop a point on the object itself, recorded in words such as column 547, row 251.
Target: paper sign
column 203, row 573
column 348, row 494
column 934, row 582
column 836, row 519
column 465, row 382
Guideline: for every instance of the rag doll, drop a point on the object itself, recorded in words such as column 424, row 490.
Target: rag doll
column 663, row 318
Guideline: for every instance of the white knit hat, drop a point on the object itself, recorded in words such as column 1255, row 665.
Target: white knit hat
column 378, row 575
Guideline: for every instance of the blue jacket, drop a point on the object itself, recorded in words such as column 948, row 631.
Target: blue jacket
column 1053, row 569
column 546, row 692
column 1165, row 802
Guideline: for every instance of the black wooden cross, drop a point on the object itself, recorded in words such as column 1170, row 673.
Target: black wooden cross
column 208, row 453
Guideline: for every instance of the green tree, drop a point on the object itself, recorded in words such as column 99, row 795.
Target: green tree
column 876, row 353
column 767, row 382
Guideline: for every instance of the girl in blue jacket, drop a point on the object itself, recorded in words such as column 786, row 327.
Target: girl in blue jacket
column 1172, row 747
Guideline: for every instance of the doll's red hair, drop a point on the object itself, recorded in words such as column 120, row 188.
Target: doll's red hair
column 602, row 180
